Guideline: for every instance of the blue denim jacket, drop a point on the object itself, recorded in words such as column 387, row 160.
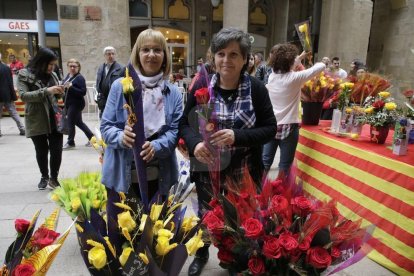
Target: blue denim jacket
column 116, row 169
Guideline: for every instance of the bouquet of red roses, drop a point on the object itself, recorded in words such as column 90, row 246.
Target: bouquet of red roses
column 278, row 231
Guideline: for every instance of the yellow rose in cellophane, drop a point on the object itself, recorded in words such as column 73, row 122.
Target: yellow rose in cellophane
column 125, row 220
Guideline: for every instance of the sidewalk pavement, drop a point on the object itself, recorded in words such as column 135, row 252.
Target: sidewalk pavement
column 20, row 198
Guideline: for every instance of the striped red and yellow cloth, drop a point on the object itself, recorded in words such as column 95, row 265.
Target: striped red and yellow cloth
column 368, row 182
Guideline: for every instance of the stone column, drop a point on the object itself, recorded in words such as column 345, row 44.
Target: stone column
column 85, row 39
column 345, row 28
column 281, row 16
column 236, row 14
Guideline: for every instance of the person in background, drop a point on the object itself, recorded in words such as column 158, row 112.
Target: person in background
column 200, row 62
column 258, row 59
column 162, row 109
column 354, row 66
column 245, row 121
column 251, row 68
column 263, row 71
column 209, row 62
column 336, row 70
column 8, row 96
column 361, row 71
column 15, row 65
column 326, row 61
column 40, row 90
column 284, row 88
column 75, row 85
column 108, row 72
column 172, row 79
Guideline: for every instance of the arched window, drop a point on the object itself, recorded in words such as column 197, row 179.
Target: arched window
column 179, row 10
column 158, row 8
column 138, row 8
column 218, row 13
column 257, row 17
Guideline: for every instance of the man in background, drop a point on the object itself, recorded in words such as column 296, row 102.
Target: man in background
column 8, row 96
column 336, row 70
column 263, row 70
column 15, row 65
column 107, row 74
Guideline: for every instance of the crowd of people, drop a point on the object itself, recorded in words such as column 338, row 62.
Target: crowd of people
column 255, row 105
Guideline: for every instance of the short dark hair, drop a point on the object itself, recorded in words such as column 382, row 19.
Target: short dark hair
column 282, row 57
column 335, row 58
column 38, row 64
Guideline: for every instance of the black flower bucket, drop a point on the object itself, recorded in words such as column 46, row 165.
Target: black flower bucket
column 311, row 113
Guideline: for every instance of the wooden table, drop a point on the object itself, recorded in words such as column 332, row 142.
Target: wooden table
column 368, row 182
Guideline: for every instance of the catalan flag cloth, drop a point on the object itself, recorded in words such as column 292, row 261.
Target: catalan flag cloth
column 368, row 182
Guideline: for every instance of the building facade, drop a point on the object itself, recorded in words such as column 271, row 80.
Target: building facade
column 379, row 33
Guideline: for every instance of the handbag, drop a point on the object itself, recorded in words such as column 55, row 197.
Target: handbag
column 62, row 122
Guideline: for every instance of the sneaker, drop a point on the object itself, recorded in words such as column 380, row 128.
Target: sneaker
column 88, row 144
column 68, row 146
column 43, row 183
column 54, row 183
column 22, row 132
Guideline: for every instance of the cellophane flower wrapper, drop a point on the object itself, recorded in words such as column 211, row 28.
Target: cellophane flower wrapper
column 369, row 85
column 320, row 88
column 304, row 33
column 278, row 229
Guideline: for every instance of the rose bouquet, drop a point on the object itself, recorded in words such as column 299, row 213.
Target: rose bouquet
column 33, row 251
column 279, row 231
column 369, row 84
column 320, row 88
column 380, row 110
column 79, row 195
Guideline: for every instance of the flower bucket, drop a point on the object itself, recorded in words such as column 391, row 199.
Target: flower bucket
column 311, row 113
column 379, row 134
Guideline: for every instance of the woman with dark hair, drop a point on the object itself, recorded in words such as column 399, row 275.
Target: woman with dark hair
column 75, row 84
column 39, row 88
column 284, row 90
column 355, row 65
column 244, row 119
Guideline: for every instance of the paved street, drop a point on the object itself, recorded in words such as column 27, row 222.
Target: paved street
column 20, row 198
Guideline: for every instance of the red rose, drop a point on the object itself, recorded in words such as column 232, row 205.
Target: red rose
column 256, row 265
column 44, row 237
column 218, row 211
column 279, row 204
column 213, row 223
column 305, row 244
column 253, row 228
column 318, row 257
column 228, row 242
column 378, row 104
column 335, row 252
column 21, row 226
column 24, row 270
column 287, row 241
column 408, row 93
column 301, row 205
column 214, row 202
column 225, row 256
column 295, row 255
column 181, row 142
column 271, row 248
column 202, row 95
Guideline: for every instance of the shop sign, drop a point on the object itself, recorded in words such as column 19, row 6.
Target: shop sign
column 27, row 26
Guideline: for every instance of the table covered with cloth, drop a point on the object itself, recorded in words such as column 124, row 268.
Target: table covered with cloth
column 368, row 181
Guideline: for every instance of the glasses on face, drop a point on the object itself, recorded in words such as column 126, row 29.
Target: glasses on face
column 146, row 51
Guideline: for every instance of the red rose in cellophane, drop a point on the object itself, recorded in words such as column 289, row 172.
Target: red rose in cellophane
column 275, row 229
column 202, row 95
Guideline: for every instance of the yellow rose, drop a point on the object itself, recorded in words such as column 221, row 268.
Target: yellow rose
column 194, row 243
column 155, row 211
column 54, row 197
column 143, row 221
column 144, row 258
column 96, row 203
column 384, row 94
column 369, row 110
column 126, row 221
column 93, row 140
column 165, row 233
column 157, row 226
column 127, row 83
column 163, row 246
column 189, row 223
column 348, row 110
column 323, row 83
column 125, row 255
column 75, row 203
column 303, row 28
column 97, row 257
column 390, row 106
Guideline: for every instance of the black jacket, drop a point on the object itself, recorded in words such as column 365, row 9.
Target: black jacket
column 7, row 93
column 253, row 138
column 76, row 93
column 103, row 83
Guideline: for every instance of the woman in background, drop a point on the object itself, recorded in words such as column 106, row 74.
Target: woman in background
column 75, row 102
column 39, row 89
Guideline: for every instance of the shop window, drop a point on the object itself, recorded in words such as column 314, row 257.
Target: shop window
column 138, row 8
column 257, row 17
column 158, row 8
column 178, row 10
column 218, row 13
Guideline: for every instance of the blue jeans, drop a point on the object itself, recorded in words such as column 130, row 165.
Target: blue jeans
column 287, row 151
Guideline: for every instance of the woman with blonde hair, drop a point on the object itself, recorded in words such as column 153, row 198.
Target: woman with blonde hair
column 75, row 86
column 149, row 66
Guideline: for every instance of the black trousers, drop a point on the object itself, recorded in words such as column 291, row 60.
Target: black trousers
column 43, row 145
column 75, row 119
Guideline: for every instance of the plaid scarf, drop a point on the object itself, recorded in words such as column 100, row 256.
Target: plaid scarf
column 236, row 113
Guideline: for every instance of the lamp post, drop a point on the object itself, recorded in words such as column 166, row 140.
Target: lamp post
column 215, row 3
column 41, row 24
